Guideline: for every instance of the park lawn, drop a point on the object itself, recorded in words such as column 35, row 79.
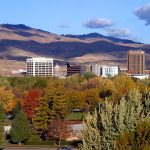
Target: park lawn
column 76, row 116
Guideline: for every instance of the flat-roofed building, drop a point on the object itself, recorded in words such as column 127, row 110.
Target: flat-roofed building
column 109, row 71
column 75, row 69
column 105, row 71
column 96, row 69
column 136, row 62
column 39, row 66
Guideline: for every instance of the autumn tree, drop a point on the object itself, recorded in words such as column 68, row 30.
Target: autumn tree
column 91, row 98
column 59, row 129
column 7, row 99
column 73, row 82
column 122, row 85
column 75, row 99
column 32, row 101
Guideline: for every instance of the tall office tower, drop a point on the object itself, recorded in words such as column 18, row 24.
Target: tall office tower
column 136, row 62
column 39, row 66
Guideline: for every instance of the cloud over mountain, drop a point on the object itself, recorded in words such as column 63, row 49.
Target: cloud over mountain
column 143, row 13
column 120, row 33
column 98, row 23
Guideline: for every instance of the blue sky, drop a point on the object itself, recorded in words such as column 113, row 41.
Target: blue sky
column 120, row 18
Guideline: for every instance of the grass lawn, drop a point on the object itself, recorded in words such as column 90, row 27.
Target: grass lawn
column 76, row 116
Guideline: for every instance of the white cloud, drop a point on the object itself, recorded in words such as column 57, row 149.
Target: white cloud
column 98, row 23
column 143, row 13
column 120, row 33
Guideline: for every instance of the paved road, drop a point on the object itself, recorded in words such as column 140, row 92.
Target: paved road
column 28, row 148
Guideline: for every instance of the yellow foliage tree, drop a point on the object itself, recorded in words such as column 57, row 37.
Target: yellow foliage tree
column 7, row 99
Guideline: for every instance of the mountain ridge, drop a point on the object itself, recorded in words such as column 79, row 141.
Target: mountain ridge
column 18, row 42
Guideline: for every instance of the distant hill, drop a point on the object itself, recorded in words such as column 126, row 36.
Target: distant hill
column 17, row 42
column 97, row 35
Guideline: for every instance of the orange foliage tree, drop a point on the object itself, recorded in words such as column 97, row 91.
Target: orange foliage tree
column 32, row 101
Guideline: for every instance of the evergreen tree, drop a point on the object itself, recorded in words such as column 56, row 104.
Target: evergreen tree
column 2, row 134
column 115, row 119
column 2, row 114
column 91, row 139
column 21, row 129
column 17, row 109
column 42, row 117
column 138, row 139
column 55, row 95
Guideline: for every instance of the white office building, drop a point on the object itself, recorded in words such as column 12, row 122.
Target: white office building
column 104, row 71
column 109, row 71
column 39, row 66
column 96, row 69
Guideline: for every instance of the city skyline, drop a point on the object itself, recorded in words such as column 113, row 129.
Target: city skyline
column 81, row 17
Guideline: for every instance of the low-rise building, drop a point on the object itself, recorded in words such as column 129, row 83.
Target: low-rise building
column 104, row 71
column 75, row 69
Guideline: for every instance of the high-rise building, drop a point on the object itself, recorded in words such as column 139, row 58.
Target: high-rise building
column 39, row 66
column 136, row 62
column 75, row 69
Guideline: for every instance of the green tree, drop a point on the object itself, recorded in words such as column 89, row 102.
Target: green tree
column 2, row 134
column 4, row 82
column 21, row 129
column 91, row 139
column 115, row 119
column 138, row 139
column 17, row 109
column 55, row 95
column 42, row 118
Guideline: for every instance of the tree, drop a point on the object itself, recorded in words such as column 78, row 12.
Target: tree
column 91, row 98
column 55, row 95
column 89, row 75
column 2, row 134
column 17, row 109
column 74, row 99
column 42, row 118
column 122, row 85
column 59, row 130
column 90, row 135
column 21, row 129
column 114, row 119
column 7, row 99
column 4, row 82
column 32, row 101
column 138, row 139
